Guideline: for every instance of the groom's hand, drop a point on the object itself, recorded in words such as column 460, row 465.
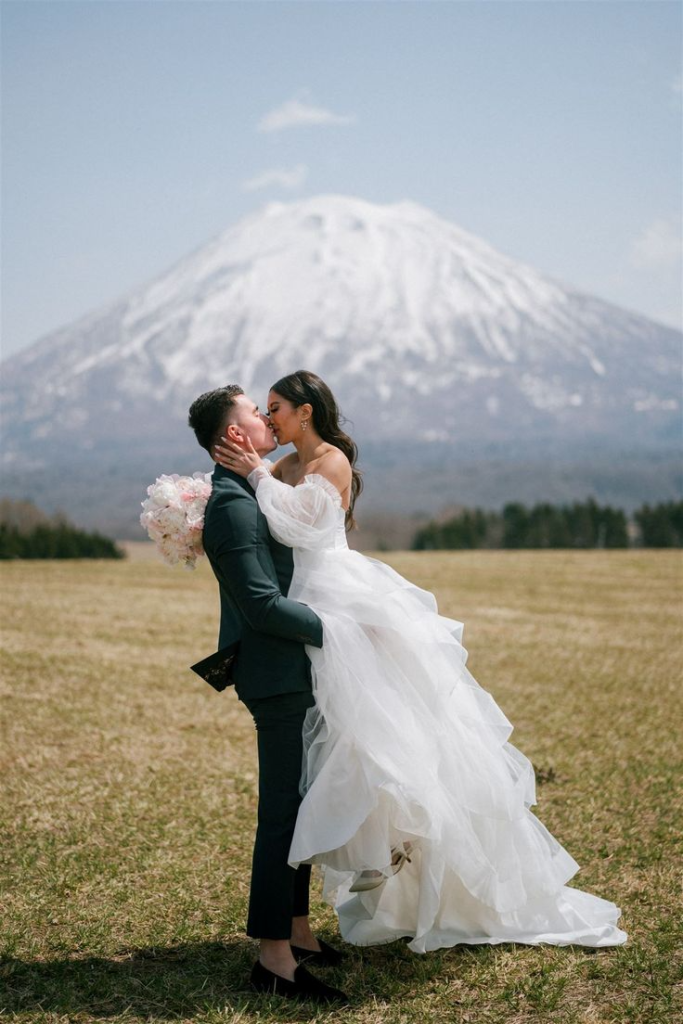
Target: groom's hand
column 240, row 459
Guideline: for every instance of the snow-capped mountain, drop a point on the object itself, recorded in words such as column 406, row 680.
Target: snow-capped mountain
column 426, row 334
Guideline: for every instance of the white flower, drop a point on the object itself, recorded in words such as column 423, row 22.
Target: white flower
column 173, row 516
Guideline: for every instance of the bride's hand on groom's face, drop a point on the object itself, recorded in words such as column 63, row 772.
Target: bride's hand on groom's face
column 240, row 459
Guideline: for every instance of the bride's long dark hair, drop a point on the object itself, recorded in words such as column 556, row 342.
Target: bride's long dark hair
column 304, row 387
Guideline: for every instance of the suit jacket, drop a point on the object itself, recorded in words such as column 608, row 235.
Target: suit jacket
column 253, row 572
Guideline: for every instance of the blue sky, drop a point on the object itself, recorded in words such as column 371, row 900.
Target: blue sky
column 135, row 131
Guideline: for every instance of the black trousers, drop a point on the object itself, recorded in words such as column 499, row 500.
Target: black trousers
column 278, row 892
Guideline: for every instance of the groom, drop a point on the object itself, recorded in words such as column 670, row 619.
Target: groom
column 272, row 678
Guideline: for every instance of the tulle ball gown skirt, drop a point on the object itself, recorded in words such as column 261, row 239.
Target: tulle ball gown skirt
column 403, row 745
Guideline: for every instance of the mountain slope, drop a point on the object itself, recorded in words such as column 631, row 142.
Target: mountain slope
column 426, row 334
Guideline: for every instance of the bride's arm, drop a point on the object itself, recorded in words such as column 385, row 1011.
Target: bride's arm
column 304, row 516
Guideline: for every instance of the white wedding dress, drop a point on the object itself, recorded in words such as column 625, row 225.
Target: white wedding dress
column 404, row 745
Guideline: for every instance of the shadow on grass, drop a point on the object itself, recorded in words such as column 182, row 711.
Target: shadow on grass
column 186, row 980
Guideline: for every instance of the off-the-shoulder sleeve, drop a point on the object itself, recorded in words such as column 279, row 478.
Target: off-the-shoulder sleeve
column 305, row 516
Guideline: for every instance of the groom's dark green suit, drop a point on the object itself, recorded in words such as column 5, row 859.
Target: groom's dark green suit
column 253, row 572
column 272, row 677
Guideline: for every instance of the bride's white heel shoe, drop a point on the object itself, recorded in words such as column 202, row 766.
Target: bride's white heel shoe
column 368, row 880
column 401, row 855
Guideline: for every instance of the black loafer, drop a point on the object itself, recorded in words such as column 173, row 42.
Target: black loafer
column 304, row 986
column 326, row 956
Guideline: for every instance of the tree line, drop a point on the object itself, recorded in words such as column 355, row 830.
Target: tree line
column 579, row 525
column 26, row 532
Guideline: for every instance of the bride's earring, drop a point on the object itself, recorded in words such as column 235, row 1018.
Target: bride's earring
column 304, row 424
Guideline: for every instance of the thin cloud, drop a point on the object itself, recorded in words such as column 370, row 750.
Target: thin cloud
column 297, row 112
column 658, row 245
column 283, row 177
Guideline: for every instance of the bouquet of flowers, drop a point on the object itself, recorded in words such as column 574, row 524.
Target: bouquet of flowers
column 173, row 515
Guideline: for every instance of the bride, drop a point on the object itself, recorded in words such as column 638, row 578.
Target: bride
column 415, row 804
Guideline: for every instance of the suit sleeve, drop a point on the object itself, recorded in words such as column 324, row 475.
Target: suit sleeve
column 233, row 530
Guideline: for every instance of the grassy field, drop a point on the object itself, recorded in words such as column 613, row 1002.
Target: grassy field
column 129, row 794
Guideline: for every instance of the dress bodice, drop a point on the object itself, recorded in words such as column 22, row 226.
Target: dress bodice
column 340, row 539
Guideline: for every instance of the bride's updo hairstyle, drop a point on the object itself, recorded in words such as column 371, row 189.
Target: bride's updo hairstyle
column 304, row 387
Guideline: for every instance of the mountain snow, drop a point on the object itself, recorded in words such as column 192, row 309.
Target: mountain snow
column 425, row 333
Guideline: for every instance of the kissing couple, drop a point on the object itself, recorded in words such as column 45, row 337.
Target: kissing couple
column 381, row 759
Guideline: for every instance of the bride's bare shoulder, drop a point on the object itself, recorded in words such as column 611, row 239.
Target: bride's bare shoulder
column 334, row 465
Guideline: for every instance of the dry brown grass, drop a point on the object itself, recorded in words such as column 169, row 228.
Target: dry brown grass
column 129, row 793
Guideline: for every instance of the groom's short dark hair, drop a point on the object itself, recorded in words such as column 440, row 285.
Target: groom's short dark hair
column 208, row 414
